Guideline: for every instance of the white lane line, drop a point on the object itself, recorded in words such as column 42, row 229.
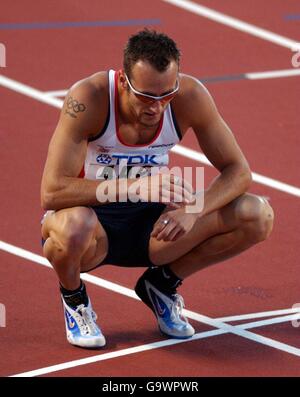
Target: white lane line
column 100, row 282
column 142, row 348
column 258, row 178
column 234, row 23
column 29, row 91
column 178, row 149
column 241, row 331
column 248, row 316
column 264, row 323
column 273, row 74
column 118, row 353
column 56, row 93
column 275, row 184
column 227, row 328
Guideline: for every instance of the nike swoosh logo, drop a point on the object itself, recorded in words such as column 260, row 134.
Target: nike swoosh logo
column 71, row 324
column 164, row 274
column 161, row 311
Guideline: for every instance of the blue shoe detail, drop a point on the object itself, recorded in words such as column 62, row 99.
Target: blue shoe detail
column 70, row 322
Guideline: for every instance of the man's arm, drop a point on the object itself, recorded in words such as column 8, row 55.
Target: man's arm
column 220, row 147
column 83, row 115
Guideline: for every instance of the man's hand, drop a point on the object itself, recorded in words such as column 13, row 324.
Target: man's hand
column 163, row 188
column 172, row 225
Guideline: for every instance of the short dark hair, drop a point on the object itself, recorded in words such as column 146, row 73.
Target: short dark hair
column 148, row 45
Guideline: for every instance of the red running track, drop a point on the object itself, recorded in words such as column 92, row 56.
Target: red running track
column 264, row 117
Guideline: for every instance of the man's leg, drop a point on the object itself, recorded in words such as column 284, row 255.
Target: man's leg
column 214, row 238
column 218, row 236
column 75, row 241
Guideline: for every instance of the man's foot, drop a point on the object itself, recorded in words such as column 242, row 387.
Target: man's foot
column 80, row 319
column 166, row 304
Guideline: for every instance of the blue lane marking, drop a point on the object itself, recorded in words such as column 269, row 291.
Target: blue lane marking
column 292, row 17
column 223, row 78
column 84, row 24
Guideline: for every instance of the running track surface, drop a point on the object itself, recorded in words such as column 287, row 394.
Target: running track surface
column 264, row 116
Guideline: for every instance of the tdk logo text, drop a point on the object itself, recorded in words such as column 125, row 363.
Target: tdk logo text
column 130, row 160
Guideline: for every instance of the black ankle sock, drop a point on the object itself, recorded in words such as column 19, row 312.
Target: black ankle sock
column 164, row 278
column 75, row 297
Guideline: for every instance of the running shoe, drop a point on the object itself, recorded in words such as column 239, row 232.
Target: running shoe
column 81, row 327
column 167, row 308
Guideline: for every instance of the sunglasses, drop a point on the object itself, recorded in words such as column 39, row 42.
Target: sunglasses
column 146, row 98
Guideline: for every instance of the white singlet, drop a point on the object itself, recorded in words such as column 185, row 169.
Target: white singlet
column 107, row 150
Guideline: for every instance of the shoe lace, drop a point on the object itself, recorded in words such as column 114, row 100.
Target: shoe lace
column 87, row 320
column 177, row 307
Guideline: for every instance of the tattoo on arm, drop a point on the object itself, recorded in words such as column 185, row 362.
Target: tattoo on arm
column 73, row 107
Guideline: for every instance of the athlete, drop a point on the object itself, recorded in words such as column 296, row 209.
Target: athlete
column 136, row 115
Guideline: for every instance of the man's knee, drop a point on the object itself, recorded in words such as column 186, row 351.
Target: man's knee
column 77, row 228
column 256, row 216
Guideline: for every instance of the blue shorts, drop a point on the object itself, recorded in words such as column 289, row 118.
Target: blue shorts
column 128, row 227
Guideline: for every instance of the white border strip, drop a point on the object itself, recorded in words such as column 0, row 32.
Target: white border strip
column 178, row 149
column 234, row 23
